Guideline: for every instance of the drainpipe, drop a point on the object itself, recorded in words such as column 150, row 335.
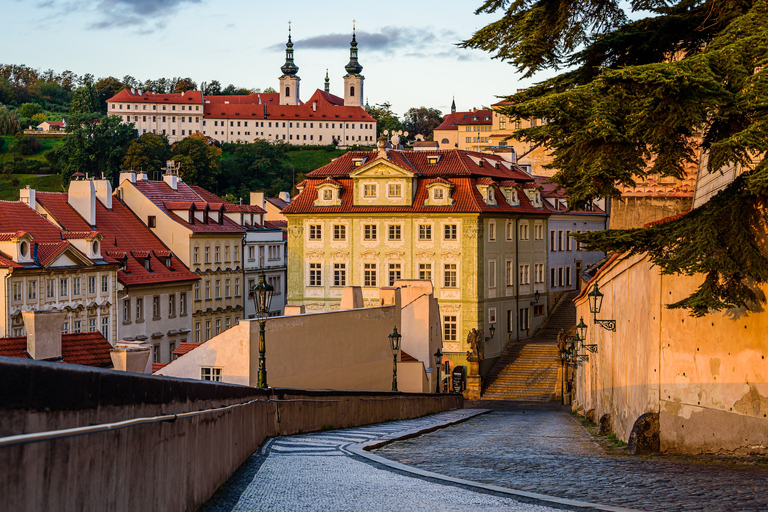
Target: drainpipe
column 7, row 304
column 517, row 278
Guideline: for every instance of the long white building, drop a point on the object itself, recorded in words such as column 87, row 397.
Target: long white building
column 281, row 116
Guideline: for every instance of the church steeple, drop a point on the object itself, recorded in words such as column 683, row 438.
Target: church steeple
column 289, row 68
column 353, row 80
column 327, row 82
column 353, row 68
column 453, row 106
column 289, row 82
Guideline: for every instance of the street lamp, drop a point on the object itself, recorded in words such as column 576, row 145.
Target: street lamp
column 438, row 364
column 581, row 332
column 492, row 331
column 262, row 297
column 394, row 344
column 595, row 305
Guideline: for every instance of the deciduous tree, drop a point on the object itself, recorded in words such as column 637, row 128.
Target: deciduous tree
column 149, row 153
column 9, row 121
column 199, row 161
column 422, row 121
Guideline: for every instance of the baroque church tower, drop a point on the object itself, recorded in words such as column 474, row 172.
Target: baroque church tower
column 289, row 81
column 353, row 80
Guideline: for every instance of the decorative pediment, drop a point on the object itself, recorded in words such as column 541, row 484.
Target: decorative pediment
column 450, row 308
column 67, row 256
column 450, row 256
column 380, row 168
column 339, row 255
column 394, row 255
column 315, row 255
column 369, row 255
column 328, row 193
column 439, row 193
column 424, row 255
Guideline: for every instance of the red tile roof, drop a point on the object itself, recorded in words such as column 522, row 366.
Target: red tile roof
column 6, row 261
column 325, row 114
column 459, row 168
column 17, row 216
column 126, row 96
column 228, row 207
column 449, row 121
column 234, row 111
column 325, row 99
column 157, row 366
column 86, row 348
column 183, row 348
column 258, row 98
column 475, row 118
column 160, row 193
column 554, row 191
column 125, row 238
column 277, row 202
column 12, row 235
column 406, row 357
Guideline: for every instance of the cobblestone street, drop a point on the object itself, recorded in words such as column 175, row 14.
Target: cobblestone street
column 540, row 448
column 317, row 472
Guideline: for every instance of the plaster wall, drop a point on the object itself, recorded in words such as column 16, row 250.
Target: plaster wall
column 706, row 377
column 170, row 465
column 314, row 351
column 412, row 377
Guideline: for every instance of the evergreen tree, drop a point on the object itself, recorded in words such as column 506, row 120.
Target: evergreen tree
column 636, row 91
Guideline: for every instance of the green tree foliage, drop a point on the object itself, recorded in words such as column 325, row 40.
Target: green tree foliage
column 212, row 89
column 29, row 109
column 385, row 118
column 105, row 89
column 26, row 144
column 95, row 145
column 269, row 90
column 422, row 121
column 199, row 161
column 9, row 121
column 148, row 153
column 257, row 166
column 637, row 91
column 84, row 101
column 183, row 85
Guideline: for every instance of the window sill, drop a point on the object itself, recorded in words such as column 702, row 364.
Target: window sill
column 140, row 321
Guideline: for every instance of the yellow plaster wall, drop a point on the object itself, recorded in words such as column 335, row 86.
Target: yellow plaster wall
column 706, row 377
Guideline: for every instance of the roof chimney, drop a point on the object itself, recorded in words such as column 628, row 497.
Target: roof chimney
column 314, row 106
column 82, row 197
column 285, row 196
column 27, row 196
column 104, row 192
column 44, row 333
column 257, row 199
column 128, row 175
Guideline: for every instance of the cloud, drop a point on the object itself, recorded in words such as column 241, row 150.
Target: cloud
column 145, row 15
column 387, row 39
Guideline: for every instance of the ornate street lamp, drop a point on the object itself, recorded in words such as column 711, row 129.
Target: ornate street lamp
column 262, row 297
column 492, row 331
column 581, row 332
column 394, row 344
column 595, row 305
column 438, row 364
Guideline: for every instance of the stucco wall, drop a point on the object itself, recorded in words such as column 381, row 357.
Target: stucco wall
column 169, row 465
column 706, row 377
column 332, row 350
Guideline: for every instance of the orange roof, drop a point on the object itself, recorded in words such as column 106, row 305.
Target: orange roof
column 325, row 99
column 157, row 366
column 183, row 348
column 129, row 96
column 257, row 98
column 86, row 348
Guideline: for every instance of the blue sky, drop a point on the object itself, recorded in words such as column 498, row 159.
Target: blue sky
column 407, row 50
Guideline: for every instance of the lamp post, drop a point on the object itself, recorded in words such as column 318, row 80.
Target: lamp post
column 563, row 358
column 595, row 305
column 262, row 297
column 394, row 344
column 438, row 364
column 492, row 331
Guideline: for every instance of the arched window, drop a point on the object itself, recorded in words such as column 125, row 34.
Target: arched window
column 444, row 141
column 352, row 90
column 287, row 92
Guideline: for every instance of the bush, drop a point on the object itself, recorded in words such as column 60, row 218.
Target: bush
column 27, row 144
column 2, row 144
column 29, row 109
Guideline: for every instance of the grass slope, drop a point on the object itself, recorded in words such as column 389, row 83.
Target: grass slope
column 44, row 183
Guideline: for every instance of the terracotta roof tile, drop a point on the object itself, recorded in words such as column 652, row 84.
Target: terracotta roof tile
column 406, row 357
column 228, row 207
column 183, row 348
column 17, row 216
column 86, row 348
column 257, row 98
column 157, row 366
column 126, row 96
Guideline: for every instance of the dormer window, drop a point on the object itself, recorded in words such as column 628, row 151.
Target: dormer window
column 432, row 160
column 147, row 264
column 327, row 195
column 437, row 194
column 370, row 191
column 24, row 249
column 489, row 195
column 395, row 190
column 168, row 262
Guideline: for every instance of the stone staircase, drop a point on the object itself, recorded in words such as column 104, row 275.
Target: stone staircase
column 528, row 370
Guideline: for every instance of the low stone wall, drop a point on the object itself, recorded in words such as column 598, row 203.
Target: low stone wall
column 166, row 465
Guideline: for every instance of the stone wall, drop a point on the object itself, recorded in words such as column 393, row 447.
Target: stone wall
column 165, row 465
column 705, row 378
column 635, row 212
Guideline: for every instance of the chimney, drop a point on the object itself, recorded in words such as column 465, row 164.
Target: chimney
column 82, row 197
column 314, row 106
column 27, row 196
column 104, row 192
column 172, row 180
column 257, row 199
column 131, row 357
column 128, row 175
column 285, row 196
column 44, row 333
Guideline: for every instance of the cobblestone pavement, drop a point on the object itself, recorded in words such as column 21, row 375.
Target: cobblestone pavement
column 314, row 472
column 543, row 449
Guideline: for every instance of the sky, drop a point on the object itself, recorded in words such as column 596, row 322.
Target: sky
column 408, row 51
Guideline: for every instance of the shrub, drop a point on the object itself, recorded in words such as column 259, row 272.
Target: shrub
column 27, row 144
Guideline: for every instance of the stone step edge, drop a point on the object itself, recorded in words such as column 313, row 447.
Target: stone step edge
column 363, row 450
